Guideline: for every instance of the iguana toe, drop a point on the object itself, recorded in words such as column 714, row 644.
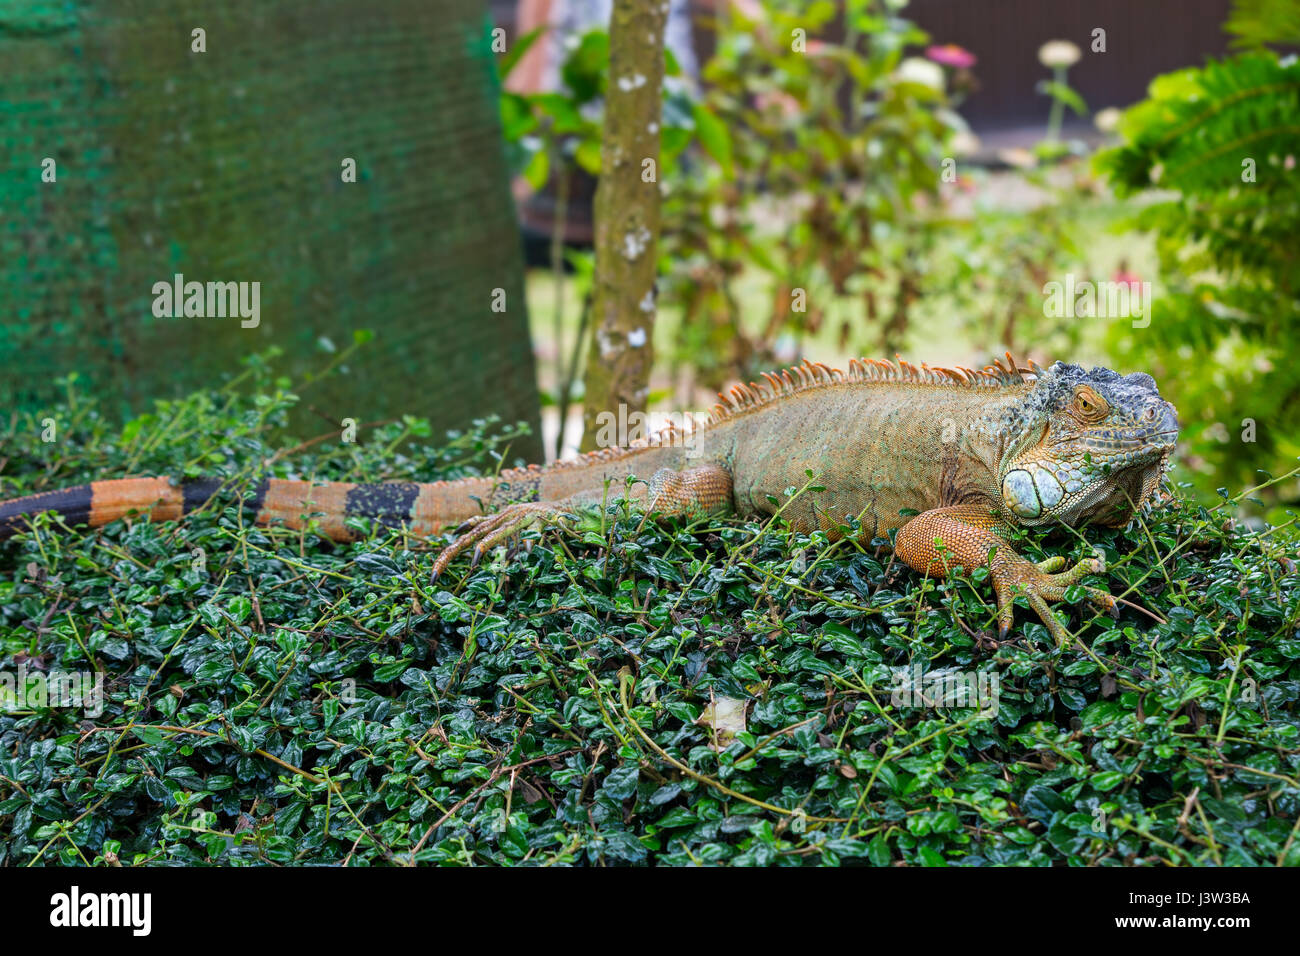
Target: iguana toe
column 487, row 531
column 1040, row 586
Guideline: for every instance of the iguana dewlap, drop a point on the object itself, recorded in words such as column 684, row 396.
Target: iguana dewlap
column 977, row 453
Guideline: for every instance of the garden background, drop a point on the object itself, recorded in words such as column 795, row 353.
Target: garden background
column 677, row 693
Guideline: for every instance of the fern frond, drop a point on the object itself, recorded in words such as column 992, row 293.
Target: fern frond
column 1200, row 126
column 1254, row 23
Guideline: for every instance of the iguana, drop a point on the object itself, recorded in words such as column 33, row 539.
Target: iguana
column 976, row 453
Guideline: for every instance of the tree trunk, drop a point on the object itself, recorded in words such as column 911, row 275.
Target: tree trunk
column 627, row 218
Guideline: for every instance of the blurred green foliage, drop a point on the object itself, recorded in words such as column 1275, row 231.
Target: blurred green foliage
column 1219, row 145
column 820, row 173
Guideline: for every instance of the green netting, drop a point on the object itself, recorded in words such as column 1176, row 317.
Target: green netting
column 225, row 166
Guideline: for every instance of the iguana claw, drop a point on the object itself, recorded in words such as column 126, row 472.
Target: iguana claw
column 1012, row 575
column 485, row 532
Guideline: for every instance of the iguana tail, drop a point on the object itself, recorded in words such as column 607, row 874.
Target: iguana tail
column 425, row 509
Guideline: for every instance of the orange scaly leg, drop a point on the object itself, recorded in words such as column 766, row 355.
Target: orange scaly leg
column 960, row 538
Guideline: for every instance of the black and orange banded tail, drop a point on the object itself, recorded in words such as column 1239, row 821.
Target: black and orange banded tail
column 101, row 502
column 72, row 504
column 423, row 508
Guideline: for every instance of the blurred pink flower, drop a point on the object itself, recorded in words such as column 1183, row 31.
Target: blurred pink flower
column 950, row 54
column 1122, row 275
column 779, row 102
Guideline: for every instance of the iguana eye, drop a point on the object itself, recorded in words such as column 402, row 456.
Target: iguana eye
column 1089, row 404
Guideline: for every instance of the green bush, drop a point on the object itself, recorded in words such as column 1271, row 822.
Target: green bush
column 271, row 697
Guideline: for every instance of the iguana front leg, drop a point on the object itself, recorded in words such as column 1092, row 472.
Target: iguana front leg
column 944, row 540
column 693, row 492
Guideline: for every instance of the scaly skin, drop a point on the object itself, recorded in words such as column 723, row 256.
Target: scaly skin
column 976, row 453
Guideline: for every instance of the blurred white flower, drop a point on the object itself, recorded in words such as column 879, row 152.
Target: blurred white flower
column 914, row 69
column 1056, row 53
column 1020, row 158
column 964, row 144
column 1107, row 120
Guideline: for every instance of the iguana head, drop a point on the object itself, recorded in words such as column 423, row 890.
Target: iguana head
column 1085, row 445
